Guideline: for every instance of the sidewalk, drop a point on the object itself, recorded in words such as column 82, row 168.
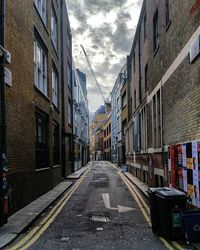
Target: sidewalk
column 19, row 222
column 141, row 185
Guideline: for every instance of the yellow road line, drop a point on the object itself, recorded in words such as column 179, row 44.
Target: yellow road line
column 138, row 194
column 136, row 199
column 135, row 194
column 35, row 233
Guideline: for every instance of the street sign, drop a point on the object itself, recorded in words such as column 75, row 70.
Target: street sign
column 8, row 76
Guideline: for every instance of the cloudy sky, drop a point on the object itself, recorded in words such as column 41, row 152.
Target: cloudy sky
column 106, row 29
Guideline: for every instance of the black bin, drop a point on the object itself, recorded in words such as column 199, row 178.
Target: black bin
column 191, row 222
column 154, row 209
column 171, row 204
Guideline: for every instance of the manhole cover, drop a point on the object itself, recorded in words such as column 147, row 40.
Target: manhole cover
column 99, row 218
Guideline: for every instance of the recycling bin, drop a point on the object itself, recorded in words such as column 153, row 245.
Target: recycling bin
column 124, row 169
column 154, row 209
column 191, row 222
column 171, row 204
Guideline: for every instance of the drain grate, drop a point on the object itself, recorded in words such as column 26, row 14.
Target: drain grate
column 99, row 218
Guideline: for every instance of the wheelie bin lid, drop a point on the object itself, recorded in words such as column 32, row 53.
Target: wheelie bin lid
column 171, row 193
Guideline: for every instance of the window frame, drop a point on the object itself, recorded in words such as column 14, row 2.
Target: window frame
column 155, row 31
column 145, row 27
column 41, row 9
column 55, row 91
column 54, row 28
column 40, row 67
column 41, row 147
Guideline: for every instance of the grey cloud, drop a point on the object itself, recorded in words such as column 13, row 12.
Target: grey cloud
column 96, row 6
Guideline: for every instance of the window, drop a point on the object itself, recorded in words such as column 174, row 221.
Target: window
column 69, row 74
column 124, row 100
column 134, row 62
column 145, row 27
column 41, row 6
column 135, row 103
column 155, row 31
column 69, row 39
column 56, row 144
column 118, row 104
column 40, row 63
column 55, row 87
column 146, row 76
column 167, row 20
column 42, row 152
column 143, row 122
column 156, row 120
column 69, row 111
column 54, row 29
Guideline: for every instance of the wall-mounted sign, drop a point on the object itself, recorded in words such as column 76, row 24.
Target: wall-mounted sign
column 194, row 48
column 8, row 76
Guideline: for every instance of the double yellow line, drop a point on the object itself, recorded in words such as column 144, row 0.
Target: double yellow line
column 37, row 231
column 145, row 210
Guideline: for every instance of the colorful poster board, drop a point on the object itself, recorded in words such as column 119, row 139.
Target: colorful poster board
column 184, row 169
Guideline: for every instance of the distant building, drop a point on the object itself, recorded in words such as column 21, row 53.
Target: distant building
column 81, row 119
column 116, row 118
column 124, row 114
column 82, row 78
column 107, row 133
column 96, row 133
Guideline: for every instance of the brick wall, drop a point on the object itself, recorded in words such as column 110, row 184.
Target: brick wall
column 22, row 99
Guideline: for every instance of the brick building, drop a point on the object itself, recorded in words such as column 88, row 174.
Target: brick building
column 33, row 100
column 107, row 134
column 163, row 79
column 124, row 114
column 67, row 89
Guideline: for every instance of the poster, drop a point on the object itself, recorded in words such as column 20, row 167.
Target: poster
column 184, row 167
column 173, row 177
column 179, row 167
column 195, row 197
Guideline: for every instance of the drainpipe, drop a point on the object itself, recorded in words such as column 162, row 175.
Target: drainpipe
column 3, row 146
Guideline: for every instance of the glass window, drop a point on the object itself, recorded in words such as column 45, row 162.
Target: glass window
column 54, row 29
column 40, row 72
column 145, row 27
column 69, row 111
column 42, row 152
column 155, row 31
column 42, row 9
column 167, row 20
column 56, row 144
column 55, row 87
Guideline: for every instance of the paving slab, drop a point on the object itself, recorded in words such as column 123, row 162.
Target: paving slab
column 6, row 239
column 142, row 186
column 78, row 173
column 21, row 220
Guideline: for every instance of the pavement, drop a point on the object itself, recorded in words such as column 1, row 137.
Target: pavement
column 19, row 222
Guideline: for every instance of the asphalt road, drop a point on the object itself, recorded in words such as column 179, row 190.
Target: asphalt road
column 98, row 197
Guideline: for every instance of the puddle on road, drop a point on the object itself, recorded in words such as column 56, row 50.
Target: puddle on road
column 99, row 218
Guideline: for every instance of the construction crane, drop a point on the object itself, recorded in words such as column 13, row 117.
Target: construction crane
column 106, row 100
